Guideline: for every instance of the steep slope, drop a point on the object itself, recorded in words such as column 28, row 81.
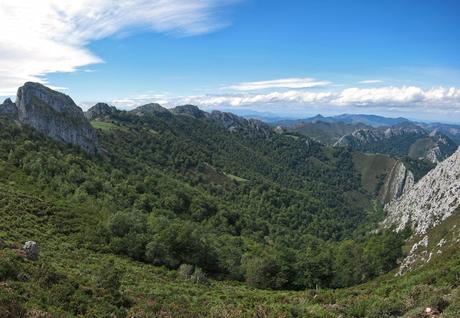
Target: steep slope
column 55, row 115
column 433, row 198
column 401, row 140
column 383, row 176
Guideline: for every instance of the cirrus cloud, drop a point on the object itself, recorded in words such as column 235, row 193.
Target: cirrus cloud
column 279, row 83
column 48, row 36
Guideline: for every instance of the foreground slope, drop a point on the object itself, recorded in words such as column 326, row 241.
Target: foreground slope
column 71, row 279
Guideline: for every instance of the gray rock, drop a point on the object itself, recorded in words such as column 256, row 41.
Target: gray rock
column 9, row 109
column 31, row 250
column 399, row 180
column 55, row 115
column 234, row 123
column 431, row 200
column 100, row 111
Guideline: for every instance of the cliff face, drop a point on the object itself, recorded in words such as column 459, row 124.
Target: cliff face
column 397, row 182
column 55, row 115
column 431, row 200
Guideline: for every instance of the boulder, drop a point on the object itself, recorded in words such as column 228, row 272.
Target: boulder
column 31, row 250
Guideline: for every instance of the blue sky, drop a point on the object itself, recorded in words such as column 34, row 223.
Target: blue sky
column 296, row 58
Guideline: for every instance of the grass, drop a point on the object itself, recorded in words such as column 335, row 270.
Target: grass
column 104, row 126
column 371, row 167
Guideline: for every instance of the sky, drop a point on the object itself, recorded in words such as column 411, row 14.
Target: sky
column 292, row 58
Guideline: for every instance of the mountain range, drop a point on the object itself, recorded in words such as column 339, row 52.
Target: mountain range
column 155, row 212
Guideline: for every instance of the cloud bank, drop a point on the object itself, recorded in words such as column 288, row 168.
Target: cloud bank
column 405, row 98
column 47, row 36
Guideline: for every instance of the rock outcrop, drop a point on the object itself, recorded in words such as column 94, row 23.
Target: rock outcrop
column 234, row 123
column 398, row 181
column 430, row 201
column 100, row 111
column 55, row 115
column 9, row 109
column 31, row 250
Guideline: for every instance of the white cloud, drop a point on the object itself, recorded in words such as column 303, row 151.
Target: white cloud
column 47, row 36
column 374, row 81
column 399, row 96
column 279, row 83
column 405, row 98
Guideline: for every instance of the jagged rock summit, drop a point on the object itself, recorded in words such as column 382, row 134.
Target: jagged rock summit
column 53, row 114
column 431, row 200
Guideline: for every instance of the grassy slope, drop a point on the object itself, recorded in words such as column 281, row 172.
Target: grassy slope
column 371, row 167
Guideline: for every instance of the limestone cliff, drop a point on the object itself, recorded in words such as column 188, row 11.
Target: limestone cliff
column 55, row 115
column 431, row 200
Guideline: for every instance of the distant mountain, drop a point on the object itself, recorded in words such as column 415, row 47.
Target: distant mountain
column 406, row 139
column 323, row 131
column 370, row 120
column 450, row 130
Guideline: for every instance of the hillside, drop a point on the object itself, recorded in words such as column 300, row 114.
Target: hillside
column 326, row 132
column 72, row 279
column 182, row 207
column 401, row 140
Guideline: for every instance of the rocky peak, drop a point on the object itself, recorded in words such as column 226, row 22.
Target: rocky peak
column 234, row 123
column 100, row 110
column 149, row 109
column 55, row 115
column 190, row 110
column 8, row 108
column 430, row 201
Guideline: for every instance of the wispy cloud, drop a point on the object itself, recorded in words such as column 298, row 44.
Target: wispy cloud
column 279, row 83
column 372, row 81
column 47, row 36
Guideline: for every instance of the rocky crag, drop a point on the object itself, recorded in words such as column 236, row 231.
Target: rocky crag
column 53, row 114
column 431, row 209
